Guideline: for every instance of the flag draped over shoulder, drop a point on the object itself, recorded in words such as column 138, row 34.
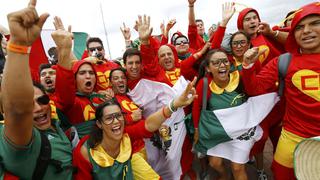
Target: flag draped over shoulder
column 39, row 51
column 153, row 96
column 238, row 122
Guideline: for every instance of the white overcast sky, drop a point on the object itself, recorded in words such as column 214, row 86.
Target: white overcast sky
column 86, row 16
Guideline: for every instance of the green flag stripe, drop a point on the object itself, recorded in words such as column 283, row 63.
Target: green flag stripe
column 79, row 45
column 211, row 132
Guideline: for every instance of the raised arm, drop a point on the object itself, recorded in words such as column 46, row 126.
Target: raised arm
column 25, row 27
column 126, row 35
column 154, row 121
column 228, row 11
column 165, row 31
column 188, row 66
column 148, row 47
column 63, row 40
column 191, row 16
column 65, row 83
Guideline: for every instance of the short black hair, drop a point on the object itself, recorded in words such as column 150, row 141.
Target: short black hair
column 44, row 66
column 199, row 20
column 117, row 69
column 130, row 52
column 94, row 39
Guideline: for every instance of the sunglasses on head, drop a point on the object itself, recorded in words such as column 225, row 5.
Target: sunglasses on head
column 99, row 48
column 43, row 100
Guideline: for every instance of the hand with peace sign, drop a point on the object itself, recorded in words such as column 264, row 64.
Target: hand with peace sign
column 25, row 25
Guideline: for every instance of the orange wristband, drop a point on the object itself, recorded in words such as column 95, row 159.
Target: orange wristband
column 18, row 49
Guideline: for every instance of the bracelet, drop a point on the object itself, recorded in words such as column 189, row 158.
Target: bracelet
column 164, row 115
column 18, row 49
column 171, row 107
column 277, row 33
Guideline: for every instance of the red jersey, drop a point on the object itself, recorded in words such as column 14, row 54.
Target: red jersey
column 301, row 91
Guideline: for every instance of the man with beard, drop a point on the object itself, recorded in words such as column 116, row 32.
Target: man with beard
column 47, row 75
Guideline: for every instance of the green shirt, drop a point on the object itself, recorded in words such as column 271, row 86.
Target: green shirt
column 21, row 160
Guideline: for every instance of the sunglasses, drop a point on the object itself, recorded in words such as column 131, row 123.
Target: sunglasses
column 241, row 43
column 43, row 100
column 99, row 48
column 181, row 42
column 218, row 62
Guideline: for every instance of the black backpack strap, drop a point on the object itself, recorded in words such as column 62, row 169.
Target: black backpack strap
column 204, row 93
column 283, row 64
column 43, row 158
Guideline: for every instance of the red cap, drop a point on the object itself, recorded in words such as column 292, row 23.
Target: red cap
column 242, row 14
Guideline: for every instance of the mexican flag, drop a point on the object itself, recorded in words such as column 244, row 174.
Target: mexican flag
column 237, row 123
column 152, row 96
column 39, row 51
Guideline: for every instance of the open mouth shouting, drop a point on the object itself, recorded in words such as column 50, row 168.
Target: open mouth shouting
column 49, row 83
column 223, row 73
column 116, row 129
column 88, row 85
column 121, row 88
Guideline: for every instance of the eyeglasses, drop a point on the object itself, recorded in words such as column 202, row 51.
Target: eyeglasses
column 99, row 48
column 180, row 42
column 218, row 62
column 241, row 43
column 108, row 119
column 43, row 100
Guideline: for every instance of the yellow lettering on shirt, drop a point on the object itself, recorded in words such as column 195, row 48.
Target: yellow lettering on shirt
column 103, row 79
column 88, row 113
column 173, row 76
column 129, row 105
column 308, row 82
column 264, row 56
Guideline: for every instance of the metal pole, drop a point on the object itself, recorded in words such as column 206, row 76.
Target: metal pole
column 105, row 30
